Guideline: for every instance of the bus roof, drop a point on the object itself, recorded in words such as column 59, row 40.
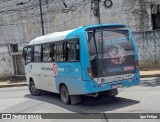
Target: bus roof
column 57, row 36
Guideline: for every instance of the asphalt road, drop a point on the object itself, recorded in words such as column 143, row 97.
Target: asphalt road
column 144, row 98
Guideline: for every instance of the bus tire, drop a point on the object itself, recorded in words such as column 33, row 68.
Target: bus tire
column 65, row 97
column 33, row 90
column 113, row 93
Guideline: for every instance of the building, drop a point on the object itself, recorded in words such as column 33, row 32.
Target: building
column 20, row 22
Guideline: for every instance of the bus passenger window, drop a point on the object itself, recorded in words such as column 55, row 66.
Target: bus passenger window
column 77, row 51
column 37, row 53
column 72, row 51
column 47, row 52
column 60, row 51
column 52, row 53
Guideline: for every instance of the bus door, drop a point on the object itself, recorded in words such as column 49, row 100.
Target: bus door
column 46, row 74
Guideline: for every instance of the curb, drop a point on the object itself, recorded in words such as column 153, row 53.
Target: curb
column 146, row 76
column 13, row 85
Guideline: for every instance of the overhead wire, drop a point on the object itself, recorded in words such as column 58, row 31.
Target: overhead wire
column 45, row 13
column 72, row 16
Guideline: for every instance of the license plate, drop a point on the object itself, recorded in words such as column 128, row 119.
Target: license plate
column 116, row 86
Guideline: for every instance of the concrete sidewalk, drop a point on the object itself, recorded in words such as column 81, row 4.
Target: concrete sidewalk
column 150, row 73
column 12, row 82
column 144, row 74
column 9, row 84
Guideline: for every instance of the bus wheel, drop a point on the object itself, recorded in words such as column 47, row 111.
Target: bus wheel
column 33, row 90
column 64, row 95
column 113, row 93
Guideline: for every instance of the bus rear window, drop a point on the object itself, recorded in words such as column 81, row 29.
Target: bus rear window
column 111, row 52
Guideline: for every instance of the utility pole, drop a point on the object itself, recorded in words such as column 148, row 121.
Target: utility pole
column 95, row 6
column 41, row 14
column 96, row 11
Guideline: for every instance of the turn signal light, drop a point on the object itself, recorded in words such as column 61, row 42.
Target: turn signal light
column 89, row 72
column 137, row 64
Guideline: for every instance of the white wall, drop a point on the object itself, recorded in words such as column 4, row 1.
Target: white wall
column 21, row 23
column 5, row 62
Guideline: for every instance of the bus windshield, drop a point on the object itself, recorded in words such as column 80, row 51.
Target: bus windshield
column 111, row 52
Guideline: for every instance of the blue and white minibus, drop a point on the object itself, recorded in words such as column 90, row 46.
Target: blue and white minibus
column 88, row 60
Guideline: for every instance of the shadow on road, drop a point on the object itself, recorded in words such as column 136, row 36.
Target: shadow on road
column 150, row 82
column 89, row 104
